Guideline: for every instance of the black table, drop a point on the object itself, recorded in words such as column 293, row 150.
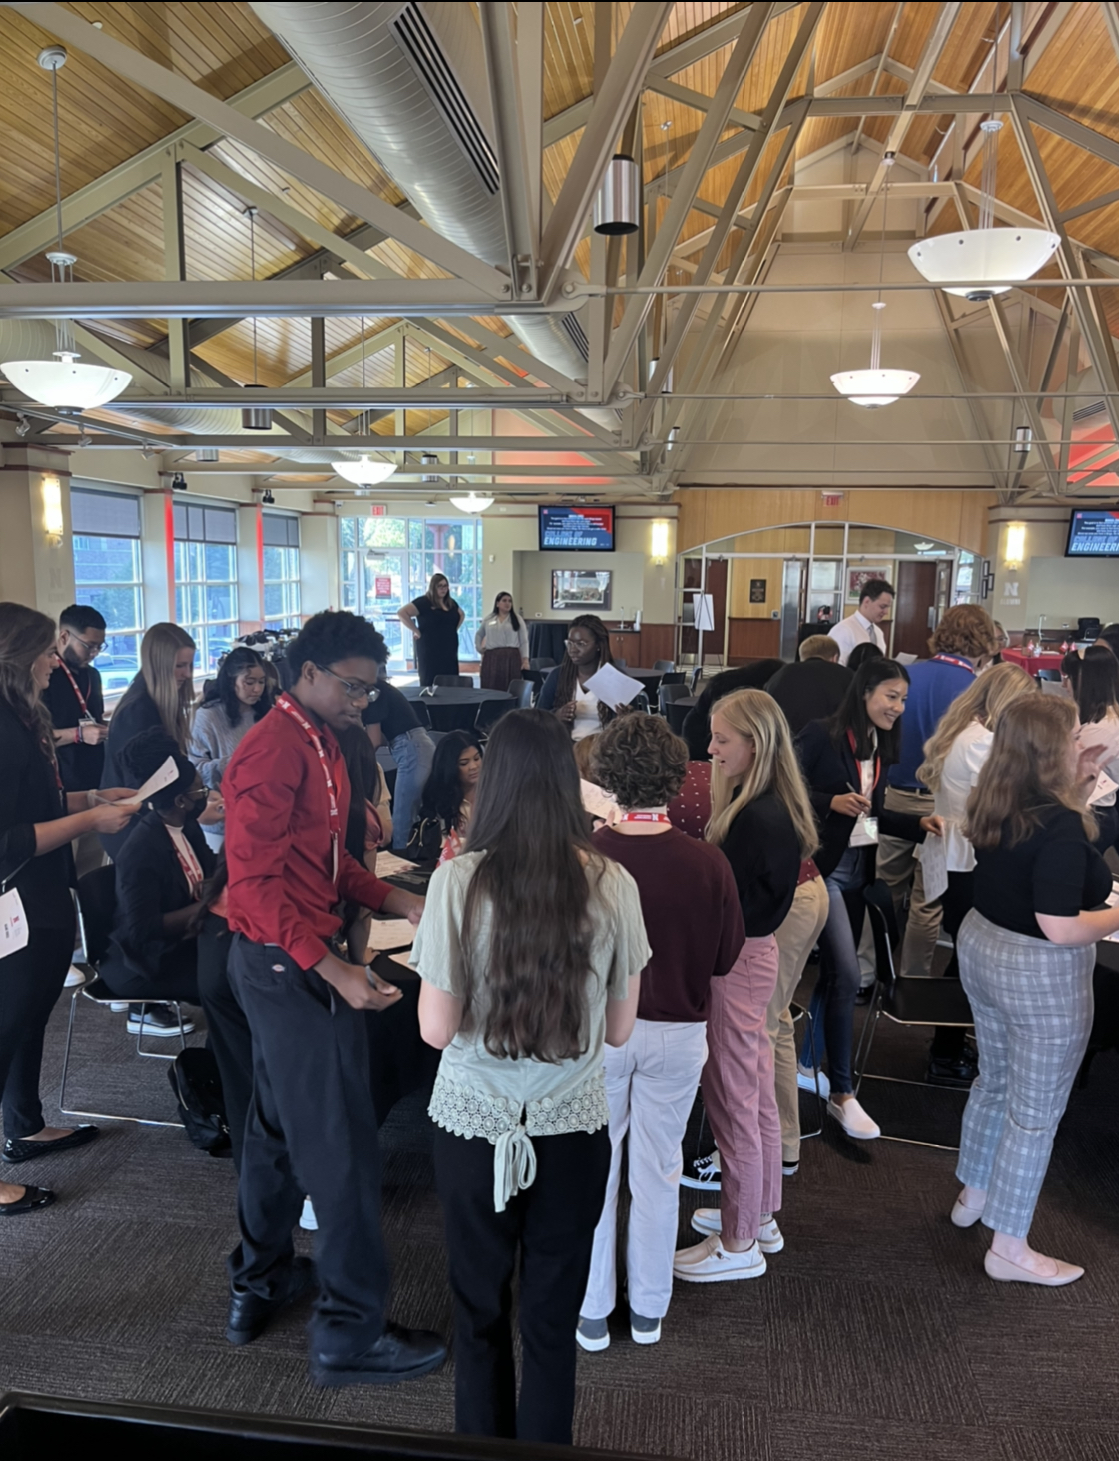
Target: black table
column 452, row 707
column 546, row 639
column 651, row 679
column 678, row 712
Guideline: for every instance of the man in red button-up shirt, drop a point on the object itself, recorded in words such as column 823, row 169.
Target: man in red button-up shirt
column 311, row 1126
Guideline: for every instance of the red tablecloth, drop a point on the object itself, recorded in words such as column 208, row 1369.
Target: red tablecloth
column 1031, row 663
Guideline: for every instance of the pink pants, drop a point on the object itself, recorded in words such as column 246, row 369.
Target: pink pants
column 738, row 1089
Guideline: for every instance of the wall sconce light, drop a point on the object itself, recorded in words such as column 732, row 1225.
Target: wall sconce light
column 1015, row 549
column 53, row 524
column 659, row 537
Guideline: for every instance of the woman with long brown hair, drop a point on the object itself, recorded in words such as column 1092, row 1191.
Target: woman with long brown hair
column 38, row 821
column 530, row 950
column 433, row 620
column 565, row 691
column 762, row 819
column 1027, row 952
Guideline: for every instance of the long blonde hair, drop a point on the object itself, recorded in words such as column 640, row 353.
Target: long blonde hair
column 1028, row 770
column 158, row 649
column 775, row 768
column 985, row 699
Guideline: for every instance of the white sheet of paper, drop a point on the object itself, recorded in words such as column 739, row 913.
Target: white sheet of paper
column 14, row 932
column 934, row 866
column 389, row 865
column 614, row 688
column 390, row 933
column 906, row 659
column 600, row 803
column 166, row 774
column 1113, row 902
column 1104, row 784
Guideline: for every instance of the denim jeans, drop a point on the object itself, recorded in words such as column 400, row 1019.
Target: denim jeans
column 833, row 1003
column 413, row 753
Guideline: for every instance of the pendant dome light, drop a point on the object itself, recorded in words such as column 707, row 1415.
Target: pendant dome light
column 876, row 387
column 984, row 253
column 61, row 383
column 473, row 502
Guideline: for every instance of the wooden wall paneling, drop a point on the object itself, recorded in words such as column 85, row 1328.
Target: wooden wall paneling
column 658, row 641
column 750, row 639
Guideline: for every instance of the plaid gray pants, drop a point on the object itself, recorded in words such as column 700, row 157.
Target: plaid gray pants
column 1032, row 1003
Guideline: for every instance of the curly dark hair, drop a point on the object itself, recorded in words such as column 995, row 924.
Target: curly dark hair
column 640, row 760
column 333, row 635
column 223, row 692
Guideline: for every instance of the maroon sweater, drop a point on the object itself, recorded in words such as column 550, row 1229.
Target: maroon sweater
column 693, row 919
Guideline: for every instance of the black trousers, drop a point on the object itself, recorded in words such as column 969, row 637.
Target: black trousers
column 30, row 983
column 175, row 978
column 552, row 1222
column 955, row 904
column 230, row 1038
column 311, row 1130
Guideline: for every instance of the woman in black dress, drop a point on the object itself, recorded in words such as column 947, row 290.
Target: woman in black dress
column 38, row 821
column 434, row 620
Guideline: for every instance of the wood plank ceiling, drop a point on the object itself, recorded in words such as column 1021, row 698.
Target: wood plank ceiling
column 224, row 48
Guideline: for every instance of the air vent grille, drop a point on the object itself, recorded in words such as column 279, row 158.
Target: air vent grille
column 419, row 44
column 1086, row 411
column 577, row 335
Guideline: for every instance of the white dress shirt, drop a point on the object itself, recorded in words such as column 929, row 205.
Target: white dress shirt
column 855, row 630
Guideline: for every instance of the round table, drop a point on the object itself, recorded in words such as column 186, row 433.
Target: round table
column 546, row 639
column 1031, row 663
column 651, row 679
column 452, row 707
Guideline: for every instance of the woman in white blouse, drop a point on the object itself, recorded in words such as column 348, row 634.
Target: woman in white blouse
column 954, row 756
column 502, row 641
column 1094, row 684
column 530, row 951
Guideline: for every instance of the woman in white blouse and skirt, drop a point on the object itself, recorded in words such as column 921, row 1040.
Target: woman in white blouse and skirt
column 502, row 641
column 530, row 951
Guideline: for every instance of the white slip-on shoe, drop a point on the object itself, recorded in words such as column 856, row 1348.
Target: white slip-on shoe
column 807, row 1078
column 308, row 1221
column 706, row 1173
column 710, row 1220
column 854, row 1120
column 770, row 1237
column 710, row 1262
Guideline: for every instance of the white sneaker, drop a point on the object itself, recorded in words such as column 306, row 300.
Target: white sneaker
column 74, row 977
column 643, row 1330
column 710, row 1262
column 592, row 1334
column 119, row 1006
column 308, row 1222
column 807, row 1078
column 706, row 1173
column 854, row 1120
column 710, row 1220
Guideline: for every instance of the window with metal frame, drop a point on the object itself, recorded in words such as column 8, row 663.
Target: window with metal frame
column 105, row 528
column 281, row 585
column 206, row 579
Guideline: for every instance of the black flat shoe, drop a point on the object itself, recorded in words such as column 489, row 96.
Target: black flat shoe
column 956, row 1072
column 250, row 1315
column 399, row 1354
column 16, row 1150
column 33, row 1198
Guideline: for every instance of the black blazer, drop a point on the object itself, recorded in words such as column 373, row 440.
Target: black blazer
column 812, row 689
column 697, row 722
column 832, row 770
column 136, row 712
column 150, row 883
column 29, row 793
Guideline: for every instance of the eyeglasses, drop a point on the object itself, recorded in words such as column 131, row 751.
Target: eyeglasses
column 355, row 689
column 93, row 650
column 579, row 643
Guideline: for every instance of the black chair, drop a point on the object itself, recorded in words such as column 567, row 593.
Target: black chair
column 904, row 1000
column 97, row 899
column 489, row 713
column 697, row 675
column 461, row 682
column 421, row 714
column 541, row 662
column 668, row 693
column 674, row 677
column 667, row 665
column 1052, row 675
column 642, row 702
column 521, row 691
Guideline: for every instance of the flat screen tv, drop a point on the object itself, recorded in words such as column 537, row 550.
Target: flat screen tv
column 1093, row 533
column 577, row 529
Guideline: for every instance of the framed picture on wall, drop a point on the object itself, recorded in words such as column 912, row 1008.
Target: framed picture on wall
column 857, row 577
column 581, row 589
column 757, row 590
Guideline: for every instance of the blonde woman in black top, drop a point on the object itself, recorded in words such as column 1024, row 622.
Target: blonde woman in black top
column 38, row 821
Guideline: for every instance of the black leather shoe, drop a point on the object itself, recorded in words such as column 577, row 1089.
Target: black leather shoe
column 250, row 1315
column 33, row 1198
column 17, row 1150
column 953, row 1070
column 399, row 1354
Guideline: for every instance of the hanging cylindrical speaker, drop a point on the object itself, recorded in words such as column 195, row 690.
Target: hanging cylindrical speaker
column 256, row 418
column 617, row 204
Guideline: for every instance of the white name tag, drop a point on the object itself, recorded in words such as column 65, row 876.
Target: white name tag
column 865, row 833
column 13, row 924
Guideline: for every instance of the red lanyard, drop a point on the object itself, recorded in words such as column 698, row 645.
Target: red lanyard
column 949, row 659
column 192, row 868
column 644, row 817
column 877, row 761
column 288, row 708
column 74, row 686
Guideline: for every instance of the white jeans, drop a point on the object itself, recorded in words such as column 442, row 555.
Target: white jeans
column 651, row 1083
